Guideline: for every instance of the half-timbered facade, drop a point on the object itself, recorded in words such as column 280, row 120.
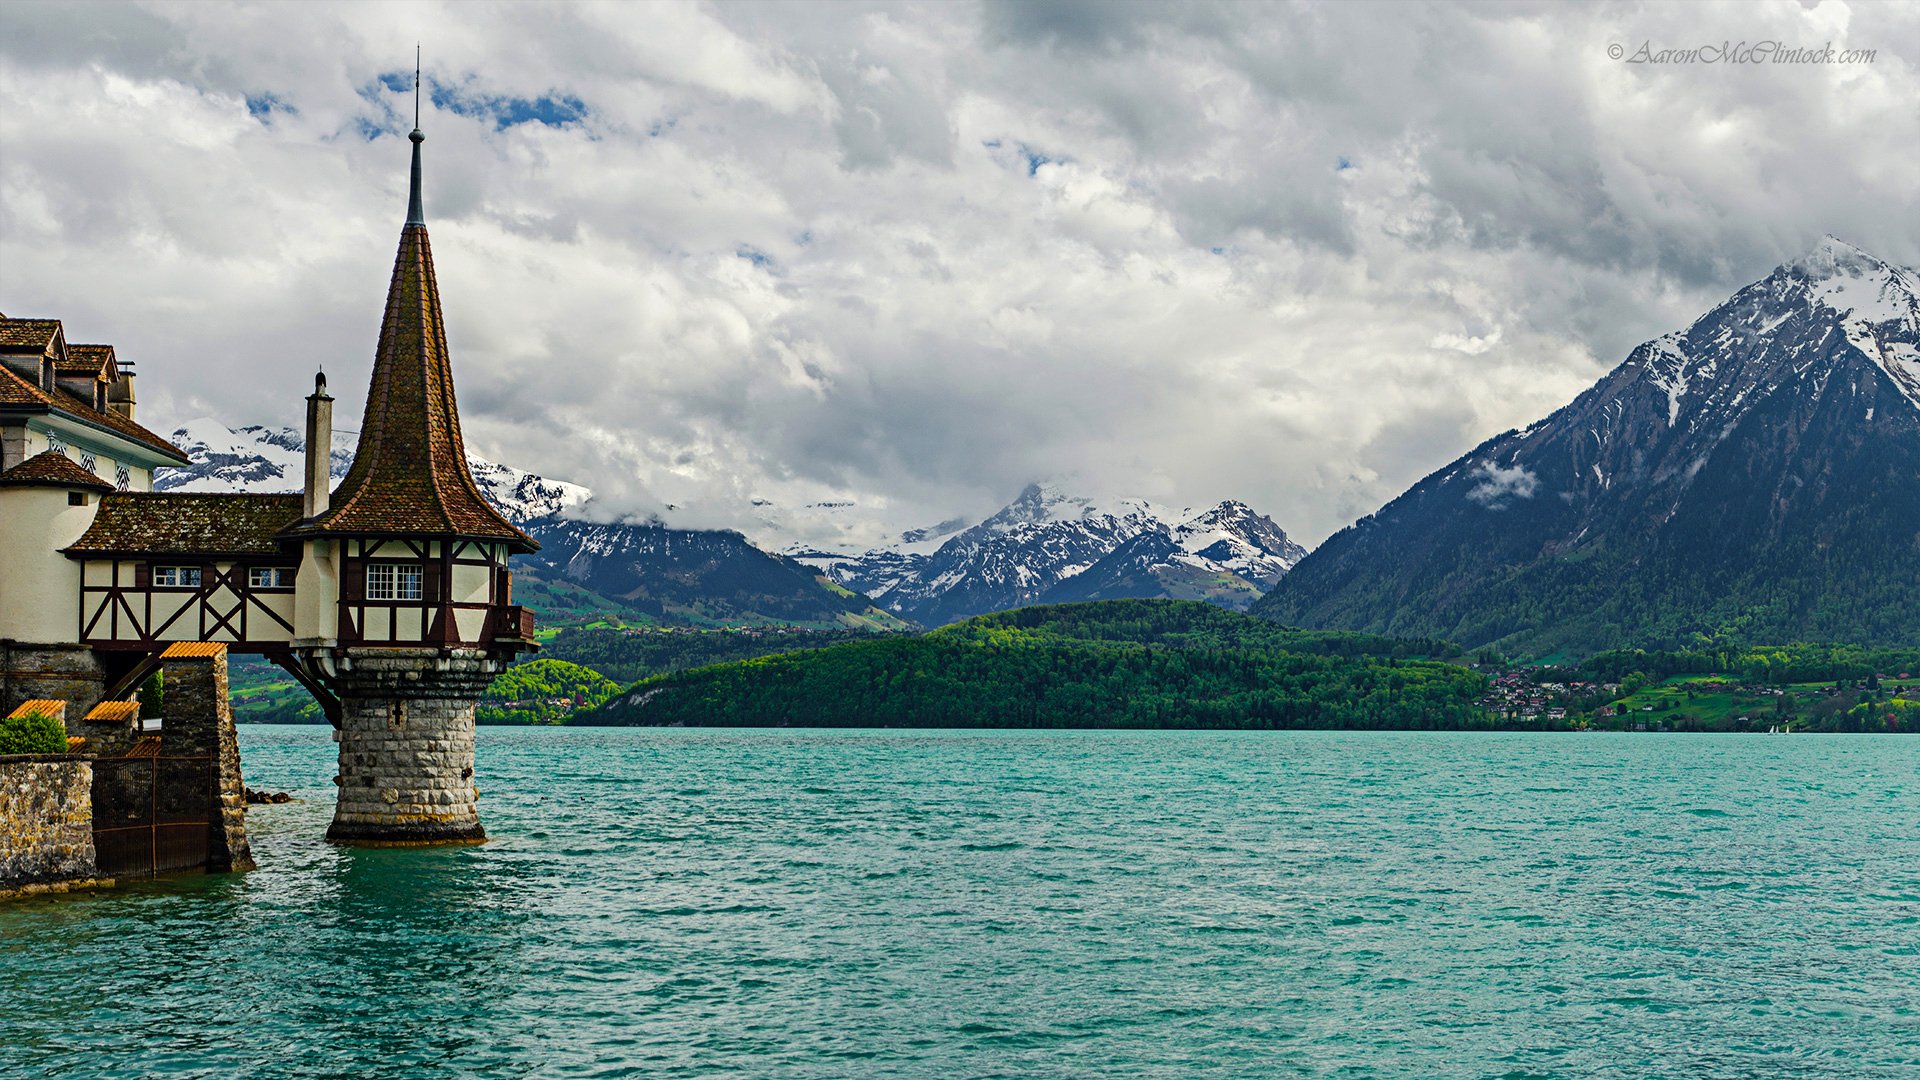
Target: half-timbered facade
column 389, row 597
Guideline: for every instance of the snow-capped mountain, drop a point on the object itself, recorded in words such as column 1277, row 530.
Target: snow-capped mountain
column 1048, row 536
column 264, row 460
column 702, row 576
column 672, row 575
column 1234, row 537
column 1757, row 472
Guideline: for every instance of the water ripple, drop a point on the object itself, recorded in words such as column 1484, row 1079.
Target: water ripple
column 885, row 903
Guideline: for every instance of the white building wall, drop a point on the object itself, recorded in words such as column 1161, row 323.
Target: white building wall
column 316, row 605
column 40, row 587
column 81, row 441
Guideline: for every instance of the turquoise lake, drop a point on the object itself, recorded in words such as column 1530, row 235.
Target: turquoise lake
column 857, row 903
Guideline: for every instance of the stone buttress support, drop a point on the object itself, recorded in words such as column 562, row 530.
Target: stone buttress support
column 406, row 745
column 199, row 726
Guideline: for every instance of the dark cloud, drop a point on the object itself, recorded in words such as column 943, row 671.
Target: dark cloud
column 916, row 255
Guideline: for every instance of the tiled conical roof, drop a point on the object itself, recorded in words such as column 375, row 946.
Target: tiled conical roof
column 409, row 474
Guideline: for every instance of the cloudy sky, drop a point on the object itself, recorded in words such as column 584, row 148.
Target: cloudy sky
column 915, row 256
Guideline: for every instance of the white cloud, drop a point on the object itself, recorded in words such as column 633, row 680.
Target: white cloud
column 915, row 256
column 1498, row 487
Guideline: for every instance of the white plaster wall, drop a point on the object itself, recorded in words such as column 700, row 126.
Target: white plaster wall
column 261, row 628
column 40, row 587
column 471, row 585
column 316, row 591
column 80, row 440
column 166, row 604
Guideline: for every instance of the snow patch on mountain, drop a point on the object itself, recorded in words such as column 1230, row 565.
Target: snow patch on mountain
column 1047, row 535
column 1879, row 306
column 263, row 460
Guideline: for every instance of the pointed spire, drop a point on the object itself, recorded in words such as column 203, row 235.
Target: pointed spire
column 409, row 475
column 416, row 215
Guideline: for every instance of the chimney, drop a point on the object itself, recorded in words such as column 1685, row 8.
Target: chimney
column 319, row 448
column 120, row 392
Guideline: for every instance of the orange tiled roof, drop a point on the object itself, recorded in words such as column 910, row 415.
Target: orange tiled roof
column 51, row 468
column 17, row 394
column 193, row 650
column 53, row 707
column 182, row 523
column 113, row 712
column 409, row 474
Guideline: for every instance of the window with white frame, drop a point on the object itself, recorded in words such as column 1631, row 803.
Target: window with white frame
column 393, row 581
column 122, row 477
column 176, row 577
column 270, row 577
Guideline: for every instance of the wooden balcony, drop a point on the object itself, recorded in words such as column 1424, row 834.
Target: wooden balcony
column 513, row 623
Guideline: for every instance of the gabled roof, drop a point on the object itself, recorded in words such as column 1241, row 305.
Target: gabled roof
column 180, row 523
column 409, row 474
column 51, row 468
column 86, row 360
column 19, row 395
column 28, row 335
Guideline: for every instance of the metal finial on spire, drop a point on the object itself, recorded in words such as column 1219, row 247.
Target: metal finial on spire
column 416, row 215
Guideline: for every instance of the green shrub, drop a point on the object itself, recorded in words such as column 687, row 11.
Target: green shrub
column 34, row 733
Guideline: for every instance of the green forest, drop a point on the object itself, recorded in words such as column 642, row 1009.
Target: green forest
column 1758, row 663
column 629, row 654
column 1145, row 663
column 543, row 691
column 1107, row 664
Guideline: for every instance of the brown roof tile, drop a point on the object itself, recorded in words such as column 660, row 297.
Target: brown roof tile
column 179, row 523
column 28, row 335
column 85, row 360
column 15, row 390
column 18, row 393
column 409, row 474
column 51, row 468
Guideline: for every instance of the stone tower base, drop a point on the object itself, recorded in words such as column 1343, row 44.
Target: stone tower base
column 406, row 746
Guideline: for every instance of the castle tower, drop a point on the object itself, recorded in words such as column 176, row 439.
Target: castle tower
column 403, row 610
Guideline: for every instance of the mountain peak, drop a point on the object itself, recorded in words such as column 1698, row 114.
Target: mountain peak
column 1833, row 255
column 1750, row 470
column 1853, row 282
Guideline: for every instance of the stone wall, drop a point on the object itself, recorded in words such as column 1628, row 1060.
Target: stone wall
column 176, row 801
column 46, row 824
column 199, row 723
column 69, row 672
column 406, row 745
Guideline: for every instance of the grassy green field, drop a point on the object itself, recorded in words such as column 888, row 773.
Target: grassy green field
column 1717, row 702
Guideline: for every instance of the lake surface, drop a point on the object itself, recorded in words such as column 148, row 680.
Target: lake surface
column 956, row 904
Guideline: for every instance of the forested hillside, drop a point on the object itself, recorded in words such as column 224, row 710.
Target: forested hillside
column 543, row 691
column 1147, row 664
column 628, row 654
